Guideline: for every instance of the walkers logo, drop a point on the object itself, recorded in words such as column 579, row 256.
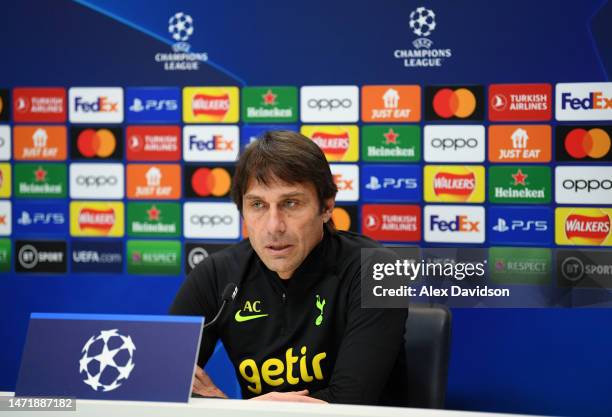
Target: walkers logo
column 5, row 218
column 454, row 224
column 519, row 184
column 40, row 143
column 210, row 105
column 38, row 256
column 98, row 257
column 391, row 103
column 422, row 23
column 454, row 143
column 153, row 182
column 5, row 180
column 153, row 219
column 583, row 101
column 40, row 105
column 329, row 104
column 211, row 221
column 519, row 143
column 338, row 143
column 153, row 143
column 528, row 266
column 5, row 255
column 346, row 178
column 518, row 102
column 454, row 183
column 5, row 143
column 100, row 219
column 250, row 133
column 197, row 252
column 96, row 181
column 391, row 183
column 4, row 105
column 391, row 222
column 583, row 143
column 40, row 218
column 583, row 185
column 205, row 181
column 40, row 180
column 154, row 257
column 583, row 226
column 96, row 105
column 345, row 218
column 454, row 103
column 584, row 269
column 520, row 225
column 210, row 143
column 269, row 104
column 153, row 105
column 96, row 144
column 391, row 143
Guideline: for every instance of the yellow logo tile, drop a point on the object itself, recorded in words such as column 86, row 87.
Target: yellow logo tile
column 211, row 105
column 339, row 143
column 5, row 180
column 100, row 219
column 583, row 226
column 454, row 183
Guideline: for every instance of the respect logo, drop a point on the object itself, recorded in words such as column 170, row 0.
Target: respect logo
column 454, row 183
column 583, row 226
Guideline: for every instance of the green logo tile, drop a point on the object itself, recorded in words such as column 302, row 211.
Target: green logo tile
column 5, row 255
column 530, row 266
column 154, row 219
column 391, row 143
column 40, row 180
column 519, row 184
column 154, row 257
column 269, row 104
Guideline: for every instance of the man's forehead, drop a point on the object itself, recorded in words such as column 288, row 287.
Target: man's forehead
column 276, row 186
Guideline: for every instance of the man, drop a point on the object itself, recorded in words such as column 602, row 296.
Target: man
column 296, row 330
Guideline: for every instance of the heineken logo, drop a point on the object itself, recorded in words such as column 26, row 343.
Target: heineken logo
column 269, row 104
column 391, row 143
column 153, row 219
column 519, row 184
column 40, row 180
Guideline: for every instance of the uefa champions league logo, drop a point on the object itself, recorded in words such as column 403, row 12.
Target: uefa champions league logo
column 422, row 22
column 180, row 27
column 107, row 360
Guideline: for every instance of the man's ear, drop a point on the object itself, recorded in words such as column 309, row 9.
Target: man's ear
column 328, row 208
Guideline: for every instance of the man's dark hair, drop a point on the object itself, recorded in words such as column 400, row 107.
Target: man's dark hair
column 288, row 156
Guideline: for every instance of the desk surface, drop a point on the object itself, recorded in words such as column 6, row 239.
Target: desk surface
column 205, row 407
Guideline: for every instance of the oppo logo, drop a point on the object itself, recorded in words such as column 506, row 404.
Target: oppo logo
column 214, row 220
column 454, row 143
column 329, row 104
column 589, row 185
column 96, row 180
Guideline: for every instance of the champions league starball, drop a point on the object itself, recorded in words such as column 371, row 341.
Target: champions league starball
column 180, row 27
column 107, row 360
column 422, row 21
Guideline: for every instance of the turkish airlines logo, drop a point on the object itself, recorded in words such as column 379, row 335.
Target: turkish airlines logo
column 454, row 103
column 329, row 104
column 454, row 143
column 39, row 105
column 96, row 105
column 517, row 102
column 584, row 144
column 449, row 224
column 211, row 220
column 153, row 143
column 583, row 185
column 346, row 178
column 96, row 181
column 392, row 222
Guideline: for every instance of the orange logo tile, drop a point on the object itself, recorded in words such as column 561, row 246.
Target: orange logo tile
column 391, row 103
column 153, row 181
column 39, row 143
column 520, row 143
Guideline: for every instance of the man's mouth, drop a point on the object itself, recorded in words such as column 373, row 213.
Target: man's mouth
column 278, row 249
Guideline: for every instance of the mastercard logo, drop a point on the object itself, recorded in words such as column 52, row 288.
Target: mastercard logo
column 341, row 218
column 459, row 103
column 207, row 182
column 593, row 143
column 96, row 143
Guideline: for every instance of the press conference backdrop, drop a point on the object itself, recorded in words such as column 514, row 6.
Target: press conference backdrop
column 121, row 122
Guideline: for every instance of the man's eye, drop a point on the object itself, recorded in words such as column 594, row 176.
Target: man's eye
column 291, row 203
column 257, row 204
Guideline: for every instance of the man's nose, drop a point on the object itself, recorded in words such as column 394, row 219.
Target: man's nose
column 276, row 221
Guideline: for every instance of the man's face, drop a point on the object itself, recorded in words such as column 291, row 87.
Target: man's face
column 284, row 223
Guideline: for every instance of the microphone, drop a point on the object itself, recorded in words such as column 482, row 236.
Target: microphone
column 229, row 294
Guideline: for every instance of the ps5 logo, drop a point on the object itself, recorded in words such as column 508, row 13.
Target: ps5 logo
column 394, row 183
column 40, row 218
column 520, row 225
column 139, row 105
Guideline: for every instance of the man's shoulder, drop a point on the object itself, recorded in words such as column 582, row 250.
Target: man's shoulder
column 226, row 262
column 349, row 248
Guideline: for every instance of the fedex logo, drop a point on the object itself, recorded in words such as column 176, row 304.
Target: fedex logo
column 96, row 105
column 346, row 178
column 211, row 143
column 454, row 224
column 584, row 101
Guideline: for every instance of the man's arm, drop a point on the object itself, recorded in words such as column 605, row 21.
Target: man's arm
column 367, row 353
